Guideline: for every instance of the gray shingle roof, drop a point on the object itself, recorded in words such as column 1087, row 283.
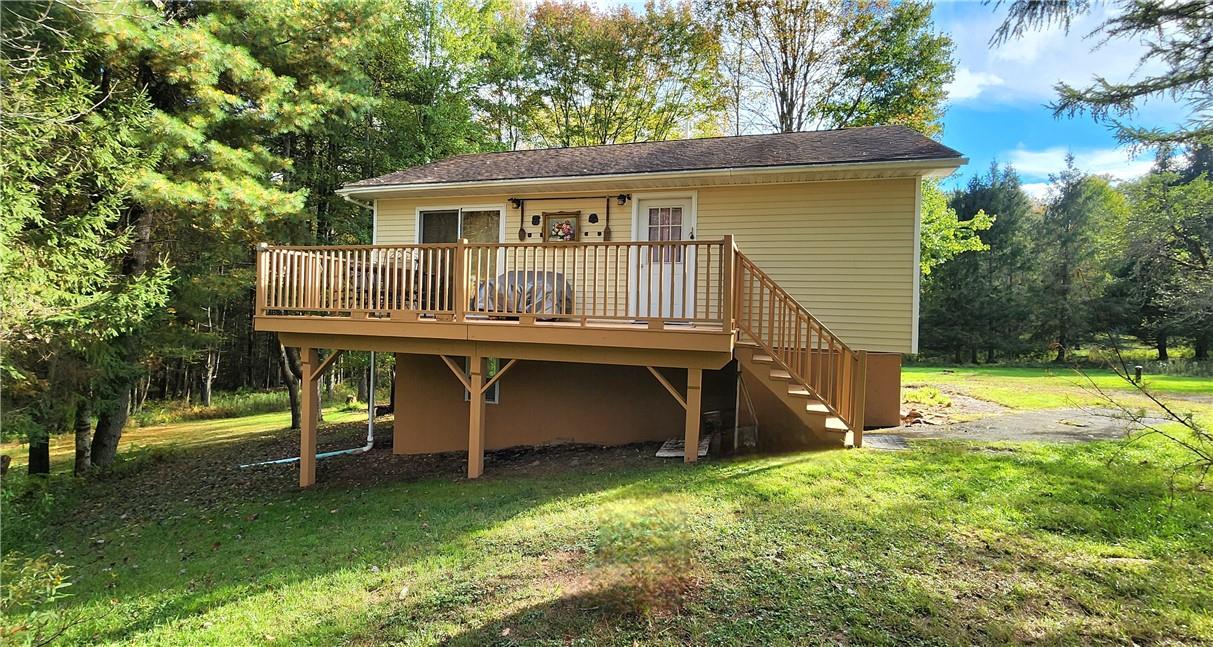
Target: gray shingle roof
column 848, row 145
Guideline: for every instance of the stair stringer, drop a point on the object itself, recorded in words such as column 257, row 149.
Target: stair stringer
column 823, row 427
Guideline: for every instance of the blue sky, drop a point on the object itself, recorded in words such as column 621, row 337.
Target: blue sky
column 997, row 103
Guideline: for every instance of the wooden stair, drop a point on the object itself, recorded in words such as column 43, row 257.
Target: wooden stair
column 813, row 413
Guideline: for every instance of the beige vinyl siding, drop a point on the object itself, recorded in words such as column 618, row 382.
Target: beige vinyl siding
column 397, row 217
column 844, row 249
column 397, row 224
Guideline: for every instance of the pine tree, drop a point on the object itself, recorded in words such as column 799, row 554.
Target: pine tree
column 1083, row 218
column 70, row 133
column 222, row 81
column 1177, row 63
column 979, row 302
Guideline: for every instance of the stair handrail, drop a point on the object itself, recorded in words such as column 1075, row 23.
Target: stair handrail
column 799, row 343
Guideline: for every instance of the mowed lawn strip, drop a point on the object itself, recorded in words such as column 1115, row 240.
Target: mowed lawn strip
column 1052, row 388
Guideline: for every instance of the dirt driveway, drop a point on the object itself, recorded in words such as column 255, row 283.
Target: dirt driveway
column 1050, row 425
column 967, row 418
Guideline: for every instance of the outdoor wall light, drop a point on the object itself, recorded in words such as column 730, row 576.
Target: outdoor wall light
column 623, row 198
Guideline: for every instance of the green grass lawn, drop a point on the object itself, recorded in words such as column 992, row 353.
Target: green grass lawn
column 1048, row 388
column 948, row 544
column 181, row 436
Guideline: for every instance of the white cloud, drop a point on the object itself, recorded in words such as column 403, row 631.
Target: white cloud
column 1037, row 190
column 969, row 84
column 1030, row 66
column 1117, row 163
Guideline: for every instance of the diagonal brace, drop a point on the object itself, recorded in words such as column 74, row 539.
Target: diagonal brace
column 668, row 387
column 455, row 368
column 485, row 388
column 324, row 366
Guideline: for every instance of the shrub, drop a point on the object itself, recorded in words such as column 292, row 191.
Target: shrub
column 927, row 395
column 224, row 405
column 28, row 591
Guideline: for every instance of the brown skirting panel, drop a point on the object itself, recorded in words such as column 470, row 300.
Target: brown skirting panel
column 540, row 403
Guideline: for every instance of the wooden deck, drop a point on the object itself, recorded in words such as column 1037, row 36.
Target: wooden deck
column 680, row 304
column 660, row 296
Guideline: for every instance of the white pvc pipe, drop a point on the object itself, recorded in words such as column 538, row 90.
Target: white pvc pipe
column 370, row 429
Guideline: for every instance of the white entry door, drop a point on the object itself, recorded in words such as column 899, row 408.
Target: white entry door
column 665, row 273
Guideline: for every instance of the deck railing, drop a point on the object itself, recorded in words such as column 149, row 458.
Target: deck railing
column 814, row 357
column 695, row 283
column 653, row 282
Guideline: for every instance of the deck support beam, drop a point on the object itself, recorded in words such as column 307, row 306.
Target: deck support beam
column 693, row 406
column 309, row 409
column 476, row 417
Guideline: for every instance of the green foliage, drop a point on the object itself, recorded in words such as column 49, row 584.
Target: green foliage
column 802, row 64
column 229, row 405
column 605, row 77
column 896, row 71
column 1163, row 287
column 943, row 234
column 927, row 395
column 28, row 589
column 985, row 301
column 1083, row 223
column 1177, row 63
column 70, row 156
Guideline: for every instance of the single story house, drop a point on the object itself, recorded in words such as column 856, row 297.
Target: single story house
column 612, row 294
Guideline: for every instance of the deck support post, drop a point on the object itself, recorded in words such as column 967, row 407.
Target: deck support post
column 859, row 393
column 694, row 398
column 309, row 409
column 476, row 416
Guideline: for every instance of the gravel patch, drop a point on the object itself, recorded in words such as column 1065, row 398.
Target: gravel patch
column 1051, row 425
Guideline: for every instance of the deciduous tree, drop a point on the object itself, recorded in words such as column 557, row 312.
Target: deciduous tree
column 816, row 64
column 605, row 77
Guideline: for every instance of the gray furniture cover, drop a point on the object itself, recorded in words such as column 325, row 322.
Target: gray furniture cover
column 525, row 292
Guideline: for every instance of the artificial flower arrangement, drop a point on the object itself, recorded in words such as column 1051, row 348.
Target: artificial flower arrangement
column 562, row 228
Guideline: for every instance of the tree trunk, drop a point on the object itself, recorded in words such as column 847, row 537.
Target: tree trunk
column 112, row 415
column 39, row 451
column 83, row 428
column 1161, row 345
column 110, row 422
column 362, row 386
column 391, row 402
column 1061, row 353
column 289, row 365
column 1201, row 348
column 208, row 377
